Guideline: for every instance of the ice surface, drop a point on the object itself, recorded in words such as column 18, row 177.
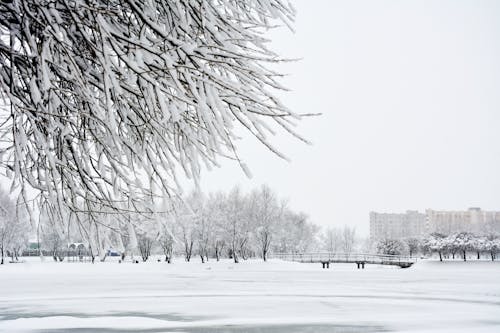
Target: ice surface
column 249, row 297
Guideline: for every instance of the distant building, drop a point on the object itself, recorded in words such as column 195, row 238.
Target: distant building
column 395, row 226
column 473, row 220
column 415, row 224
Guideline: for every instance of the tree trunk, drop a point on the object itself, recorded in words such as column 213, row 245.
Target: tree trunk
column 243, row 253
column 465, row 255
column 440, row 256
column 189, row 250
column 478, row 255
column 235, row 257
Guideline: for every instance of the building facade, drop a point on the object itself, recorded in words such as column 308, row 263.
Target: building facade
column 396, row 226
column 415, row 224
column 472, row 220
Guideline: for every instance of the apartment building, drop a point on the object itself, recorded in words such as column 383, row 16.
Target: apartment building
column 416, row 224
column 394, row 225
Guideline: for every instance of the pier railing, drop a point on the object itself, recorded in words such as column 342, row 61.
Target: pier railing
column 364, row 258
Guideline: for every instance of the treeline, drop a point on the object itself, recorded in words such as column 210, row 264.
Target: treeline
column 235, row 224
column 336, row 240
column 14, row 229
column 445, row 246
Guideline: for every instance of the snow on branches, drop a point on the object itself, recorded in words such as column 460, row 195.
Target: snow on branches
column 105, row 101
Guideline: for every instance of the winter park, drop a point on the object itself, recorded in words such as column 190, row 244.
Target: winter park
column 216, row 166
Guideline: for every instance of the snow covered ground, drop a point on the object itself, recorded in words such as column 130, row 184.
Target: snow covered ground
column 249, row 297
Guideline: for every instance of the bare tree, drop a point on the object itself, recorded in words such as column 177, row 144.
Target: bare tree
column 6, row 231
column 412, row 244
column 144, row 243
column 128, row 239
column 167, row 242
column 348, row 239
column 234, row 210
column 203, row 237
column 54, row 242
column 202, row 223
column 296, row 234
column 14, row 227
column 187, row 235
column 166, row 238
column 332, row 240
column 216, row 204
column 265, row 212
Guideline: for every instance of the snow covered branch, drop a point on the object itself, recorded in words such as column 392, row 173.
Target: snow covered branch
column 104, row 102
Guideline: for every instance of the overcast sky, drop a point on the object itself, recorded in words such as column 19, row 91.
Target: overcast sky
column 410, row 96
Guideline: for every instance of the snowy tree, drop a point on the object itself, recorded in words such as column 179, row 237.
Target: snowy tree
column 265, row 213
column 125, row 237
column 297, row 234
column 492, row 245
column 167, row 240
column 412, row 244
column 20, row 239
column 187, row 233
column 10, row 227
column 14, row 228
column 103, row 231
column 348, row 239
column 236, row 225
column 145, row 244
column 54, row 243
column 479, row 244
column 128, row 238
column 332, row 240
column 436, row 243
column 219, row 236
column 463, row 242
column 451, row 245
column 105, row 101
column 390, row 247
column 197, row 205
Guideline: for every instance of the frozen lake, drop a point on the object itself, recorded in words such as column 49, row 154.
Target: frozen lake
column 249, row 297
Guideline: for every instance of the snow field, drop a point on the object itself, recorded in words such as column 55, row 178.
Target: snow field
column 223, row 297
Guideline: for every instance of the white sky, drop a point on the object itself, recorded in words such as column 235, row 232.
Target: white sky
column 410, row 96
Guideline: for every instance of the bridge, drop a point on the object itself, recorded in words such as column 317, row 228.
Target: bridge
column 360, row 259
